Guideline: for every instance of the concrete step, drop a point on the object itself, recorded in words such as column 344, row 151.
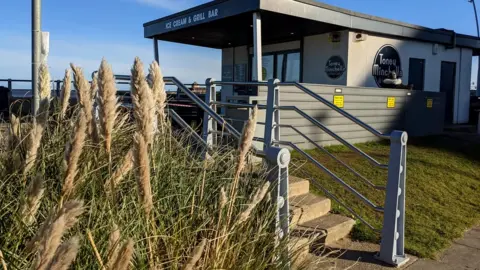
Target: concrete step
column 308, row 207
column 298, row 186
column 330, row 228
column 299, row 249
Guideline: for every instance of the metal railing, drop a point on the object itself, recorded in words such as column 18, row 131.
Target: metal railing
column 392, row 245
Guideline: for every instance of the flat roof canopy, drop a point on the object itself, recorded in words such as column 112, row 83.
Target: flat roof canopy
column 226, row 23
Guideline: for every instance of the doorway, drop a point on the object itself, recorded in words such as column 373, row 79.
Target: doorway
column 447, row 85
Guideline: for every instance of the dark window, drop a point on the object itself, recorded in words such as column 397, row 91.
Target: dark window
column 284, row 66
column 416, row 73
column 448, row 73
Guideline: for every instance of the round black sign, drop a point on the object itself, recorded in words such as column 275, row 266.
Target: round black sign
column 335, row 67
column 387, row 64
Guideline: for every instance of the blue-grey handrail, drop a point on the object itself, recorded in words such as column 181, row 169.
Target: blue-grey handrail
column 368, row 182
column 340, row 111
column 203, row 106
column 186, row 126
column 334, row 176
column 334, row 135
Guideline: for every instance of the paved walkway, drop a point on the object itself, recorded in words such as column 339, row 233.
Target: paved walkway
column 462, row 255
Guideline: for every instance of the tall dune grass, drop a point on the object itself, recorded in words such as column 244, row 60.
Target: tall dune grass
column 63, row 217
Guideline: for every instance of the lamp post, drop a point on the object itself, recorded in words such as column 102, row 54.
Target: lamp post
column 36, row 51
column 478, row 35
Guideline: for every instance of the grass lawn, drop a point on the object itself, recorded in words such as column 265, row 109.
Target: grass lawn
column 443, row 189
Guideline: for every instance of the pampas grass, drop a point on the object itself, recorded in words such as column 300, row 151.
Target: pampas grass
column 65, row 254
column 158, row 89
column 31, row 204
column 256, row 199
column 65, row 93
column 179, row 201
column 107, row 102
column 50, row 235
column 196, row 255
column 125, row 256
column 84, row 94
column 142, row 165
column 125, row 167
column 143, row 102
column 40, row 118
column 75, row 148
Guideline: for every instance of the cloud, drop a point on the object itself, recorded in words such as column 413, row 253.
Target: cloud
column 184, row 62
column 171, row 5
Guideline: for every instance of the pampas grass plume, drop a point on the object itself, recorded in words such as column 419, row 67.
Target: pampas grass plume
column 65, row 254
column 125, row 256
column 65, row 94
column 74, row 154
column 158, row 88
column 196, row 255
column 107, row 102
column 30, row 206
column 143, row 102
column 257, row 198
column 142, row 164
column 120, row 172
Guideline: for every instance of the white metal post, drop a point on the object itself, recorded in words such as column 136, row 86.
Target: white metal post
column 155, row 50
column 392, row 247
column 209, row 125
column 257, row 47
column 36, row 51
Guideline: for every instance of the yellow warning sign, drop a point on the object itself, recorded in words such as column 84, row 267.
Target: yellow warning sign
column 429, row 103
column 390, row 102
column 338, row 101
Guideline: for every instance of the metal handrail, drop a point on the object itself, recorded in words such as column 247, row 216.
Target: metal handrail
column 238, row 105
column 340, row 111
column 331, row 133
column 334, row 176
column 241, row 83
column 209, row 111
column 184, row 125
column 368, row 182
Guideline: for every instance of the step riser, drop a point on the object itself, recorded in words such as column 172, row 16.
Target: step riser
column 298, row 188
column 310, row 212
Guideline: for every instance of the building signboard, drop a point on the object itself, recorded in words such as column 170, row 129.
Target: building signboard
column 385, row 63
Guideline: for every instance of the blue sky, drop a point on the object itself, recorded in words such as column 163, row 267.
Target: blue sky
column 84, row 31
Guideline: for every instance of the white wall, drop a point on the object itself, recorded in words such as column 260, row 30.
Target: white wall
column 317, row 50
column 362, row 54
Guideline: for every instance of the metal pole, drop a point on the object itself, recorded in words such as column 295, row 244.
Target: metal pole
column 392, row 246
column 36, row 50
column 155, row 49
column 257, row 47
column 478, row 35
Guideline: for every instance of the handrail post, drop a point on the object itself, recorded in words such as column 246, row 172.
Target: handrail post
column 278, row 160
column 9, row 85
column 272, row 116
column 209, row 125
column 58, row 88
column 392, row 247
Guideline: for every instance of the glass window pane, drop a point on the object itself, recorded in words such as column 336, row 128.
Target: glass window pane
column 267, row 70
column 268, row 67
column 280, row 67
column 293, row 67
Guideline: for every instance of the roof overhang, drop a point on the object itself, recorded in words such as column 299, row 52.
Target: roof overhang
column 227, row 23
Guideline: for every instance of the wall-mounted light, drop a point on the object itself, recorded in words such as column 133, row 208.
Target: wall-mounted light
column 193, row 37
column 338, row 90
column 292, row 33
column 435, row 49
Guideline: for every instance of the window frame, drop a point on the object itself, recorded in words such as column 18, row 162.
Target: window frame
column 275, row 64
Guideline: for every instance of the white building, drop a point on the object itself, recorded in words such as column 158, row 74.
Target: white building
column 311, row 42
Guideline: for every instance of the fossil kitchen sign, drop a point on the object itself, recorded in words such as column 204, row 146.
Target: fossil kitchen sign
column 192, row 19
column 335, row 67
column 386, row 63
